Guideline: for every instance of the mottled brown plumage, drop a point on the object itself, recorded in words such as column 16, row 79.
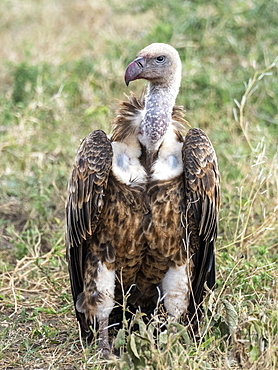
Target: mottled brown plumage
column 143, row 205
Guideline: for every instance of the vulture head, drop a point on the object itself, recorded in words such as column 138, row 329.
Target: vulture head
column 157, row 63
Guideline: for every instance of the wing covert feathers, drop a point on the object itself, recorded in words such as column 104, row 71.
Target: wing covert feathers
column 85, row 191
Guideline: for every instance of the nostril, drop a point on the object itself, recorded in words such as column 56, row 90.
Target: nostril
column 140, row 64
column 140, row 61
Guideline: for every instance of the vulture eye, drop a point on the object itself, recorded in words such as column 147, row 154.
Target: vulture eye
column 160, row 59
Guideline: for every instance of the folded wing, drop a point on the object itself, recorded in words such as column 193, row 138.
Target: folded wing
column 86, row 188
column 201, row 213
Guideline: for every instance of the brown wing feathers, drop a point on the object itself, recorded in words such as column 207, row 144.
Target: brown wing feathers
column 202, row 198
column 89, row 177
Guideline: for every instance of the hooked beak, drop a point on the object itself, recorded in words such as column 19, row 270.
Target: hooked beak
column 134, row 70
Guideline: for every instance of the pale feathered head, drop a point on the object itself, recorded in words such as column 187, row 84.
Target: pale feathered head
column 158, row 63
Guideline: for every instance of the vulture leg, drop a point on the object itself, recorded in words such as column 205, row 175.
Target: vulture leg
column 175, row 285
column 103, row 341
column 105, row 285
column 97, row 299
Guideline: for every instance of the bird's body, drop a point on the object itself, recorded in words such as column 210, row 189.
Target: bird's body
column 142, row 204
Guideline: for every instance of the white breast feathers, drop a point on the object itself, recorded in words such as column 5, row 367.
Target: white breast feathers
column 169, row 162
column 126, row 165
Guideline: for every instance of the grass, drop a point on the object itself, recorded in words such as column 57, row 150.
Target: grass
column 61, row 72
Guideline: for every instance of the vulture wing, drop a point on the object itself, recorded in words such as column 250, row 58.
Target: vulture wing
column 201, row 214
column 86, row 188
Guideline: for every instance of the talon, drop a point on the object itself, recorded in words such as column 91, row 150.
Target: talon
column 103, row 351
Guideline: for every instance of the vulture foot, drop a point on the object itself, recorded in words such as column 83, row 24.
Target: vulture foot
column 103, row 351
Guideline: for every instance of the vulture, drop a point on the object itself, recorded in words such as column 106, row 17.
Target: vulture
column 142, row 206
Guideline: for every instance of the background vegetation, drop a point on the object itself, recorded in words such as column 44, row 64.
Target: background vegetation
column 61, row 71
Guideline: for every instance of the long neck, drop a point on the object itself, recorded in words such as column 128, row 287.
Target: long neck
column 160, row 100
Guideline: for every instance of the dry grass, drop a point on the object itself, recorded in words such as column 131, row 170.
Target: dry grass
column 61, row 71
